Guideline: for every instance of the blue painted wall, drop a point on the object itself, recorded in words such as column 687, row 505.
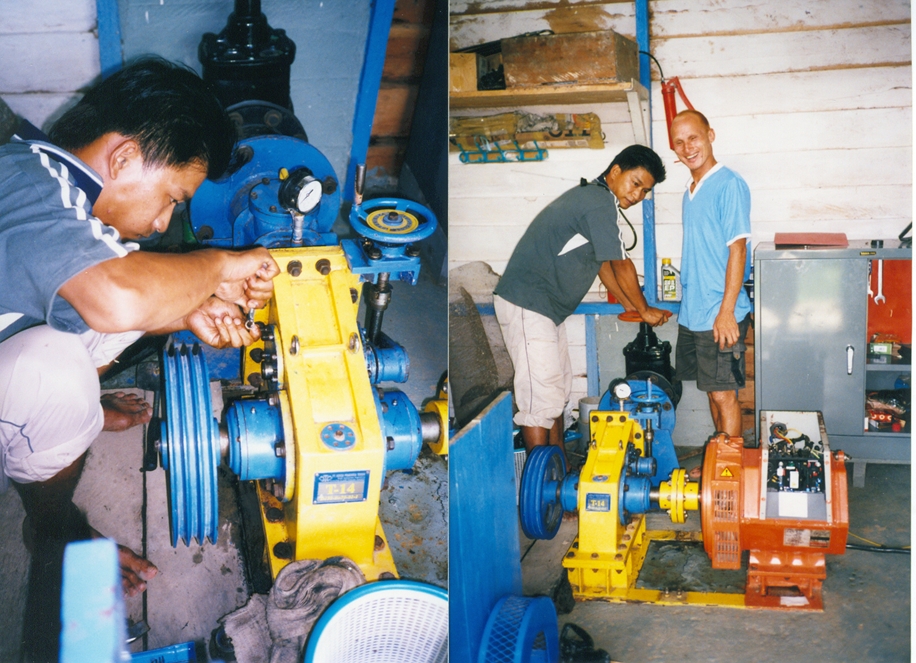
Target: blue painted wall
column 330, row 37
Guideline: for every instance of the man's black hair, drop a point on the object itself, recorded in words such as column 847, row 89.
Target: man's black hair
column 636, row 156
column 165, row 107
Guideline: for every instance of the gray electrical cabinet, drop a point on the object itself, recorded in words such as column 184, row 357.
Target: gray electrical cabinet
column 811, row 344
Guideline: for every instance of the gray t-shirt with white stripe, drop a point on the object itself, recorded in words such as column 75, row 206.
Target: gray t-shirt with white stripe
column 47, row 236
column 557, row 259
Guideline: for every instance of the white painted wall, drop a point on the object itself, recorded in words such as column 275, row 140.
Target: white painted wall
column 811, row 101
column 49, row 50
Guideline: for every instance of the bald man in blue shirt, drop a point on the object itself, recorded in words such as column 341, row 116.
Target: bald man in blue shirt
column 715, row 309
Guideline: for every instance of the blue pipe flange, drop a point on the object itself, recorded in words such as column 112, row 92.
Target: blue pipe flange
column 540, row 503
column 244, row 207
column 257, row 446
column 521, row 629
column 189, row 446
column 393, row 221
column 401, row 428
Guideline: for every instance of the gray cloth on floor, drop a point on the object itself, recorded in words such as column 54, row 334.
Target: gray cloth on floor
column 247, row 627
column 273, row 628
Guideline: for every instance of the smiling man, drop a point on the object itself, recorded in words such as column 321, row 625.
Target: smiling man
column 76, row 292
column 573, row 240
column 715, row 309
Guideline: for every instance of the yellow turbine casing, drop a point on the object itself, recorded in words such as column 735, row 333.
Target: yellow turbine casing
column 607, row 555
column 605, row 559
column 330, row 500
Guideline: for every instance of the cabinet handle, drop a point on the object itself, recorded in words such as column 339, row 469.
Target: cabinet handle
column 850, row 353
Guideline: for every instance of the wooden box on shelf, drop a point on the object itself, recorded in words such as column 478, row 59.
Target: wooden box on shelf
column 462, row 72
column 580, row 58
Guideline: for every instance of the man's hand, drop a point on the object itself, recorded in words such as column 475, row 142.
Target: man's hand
column 725, row 330
column 248, row 279
column 655, row 316
column 221, row 324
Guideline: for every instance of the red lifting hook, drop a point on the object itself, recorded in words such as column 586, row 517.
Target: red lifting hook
column 668, row 88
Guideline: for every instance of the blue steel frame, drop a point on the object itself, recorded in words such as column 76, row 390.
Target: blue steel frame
column 592, row 310
column 369, row 84
column 109, row 24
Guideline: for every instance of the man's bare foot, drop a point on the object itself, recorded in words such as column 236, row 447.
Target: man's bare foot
column 135, row 571
column 123, row 411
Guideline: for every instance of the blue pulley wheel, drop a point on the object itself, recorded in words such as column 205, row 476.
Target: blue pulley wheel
column 540, row 506
column 521, row 629
column 189, row 446
column 393, row 221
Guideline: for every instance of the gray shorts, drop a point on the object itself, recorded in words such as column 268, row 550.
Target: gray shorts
column 698, row 358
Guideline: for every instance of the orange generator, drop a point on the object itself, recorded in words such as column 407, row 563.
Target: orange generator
column 785, row 502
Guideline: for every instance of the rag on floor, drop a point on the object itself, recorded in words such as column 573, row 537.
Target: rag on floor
column 274, row 627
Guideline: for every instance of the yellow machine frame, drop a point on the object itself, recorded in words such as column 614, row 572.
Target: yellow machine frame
column 329, row 500
column 604, row 560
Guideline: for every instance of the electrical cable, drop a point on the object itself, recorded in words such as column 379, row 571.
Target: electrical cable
column 635, row 237
column 875, row 547
column 661, row 74
column 881, row 549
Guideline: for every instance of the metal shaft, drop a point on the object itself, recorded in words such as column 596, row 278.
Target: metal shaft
column 430, row 427
column 376, row 304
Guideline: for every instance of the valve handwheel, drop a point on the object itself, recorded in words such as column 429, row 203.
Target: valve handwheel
column 393, row 221
column 644, row 396
column 189, row 446
column 540, row 508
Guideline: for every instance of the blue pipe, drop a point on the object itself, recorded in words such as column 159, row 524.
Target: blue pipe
column 648, row 205
column 591, row 356
column 369, row 83
column 109, row 24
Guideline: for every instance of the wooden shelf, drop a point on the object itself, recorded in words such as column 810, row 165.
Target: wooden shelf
column 545, row 95
column 633, row 94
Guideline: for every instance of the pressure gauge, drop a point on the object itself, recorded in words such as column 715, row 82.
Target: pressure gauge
column 300, row 191
column 622, row 391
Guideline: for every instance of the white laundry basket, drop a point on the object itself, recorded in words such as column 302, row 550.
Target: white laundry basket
column 389, row 621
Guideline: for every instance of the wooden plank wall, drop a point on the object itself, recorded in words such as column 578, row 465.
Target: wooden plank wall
column 50, row 51
column 404, row 60
column 810, row 99
column 490, row 205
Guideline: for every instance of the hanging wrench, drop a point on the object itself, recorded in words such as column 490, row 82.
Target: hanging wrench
column 871, row 293
column 879, row 298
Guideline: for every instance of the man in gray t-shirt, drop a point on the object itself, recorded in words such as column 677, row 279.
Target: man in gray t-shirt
column 573, row 240
column 75, row 289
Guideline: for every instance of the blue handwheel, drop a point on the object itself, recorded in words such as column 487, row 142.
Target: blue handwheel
column 189, row 446
column 642, row 394
column 540, row 507
column 393, row 220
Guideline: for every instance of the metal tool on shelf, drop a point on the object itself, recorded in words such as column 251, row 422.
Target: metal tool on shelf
column 880, row 298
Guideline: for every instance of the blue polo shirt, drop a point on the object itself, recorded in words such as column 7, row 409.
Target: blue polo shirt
column 716, row 214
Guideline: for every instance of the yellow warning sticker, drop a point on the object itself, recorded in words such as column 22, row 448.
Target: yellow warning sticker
column 726, row 473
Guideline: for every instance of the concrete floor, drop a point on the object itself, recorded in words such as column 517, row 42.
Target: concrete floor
column 866, row 615
column 198, row 584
